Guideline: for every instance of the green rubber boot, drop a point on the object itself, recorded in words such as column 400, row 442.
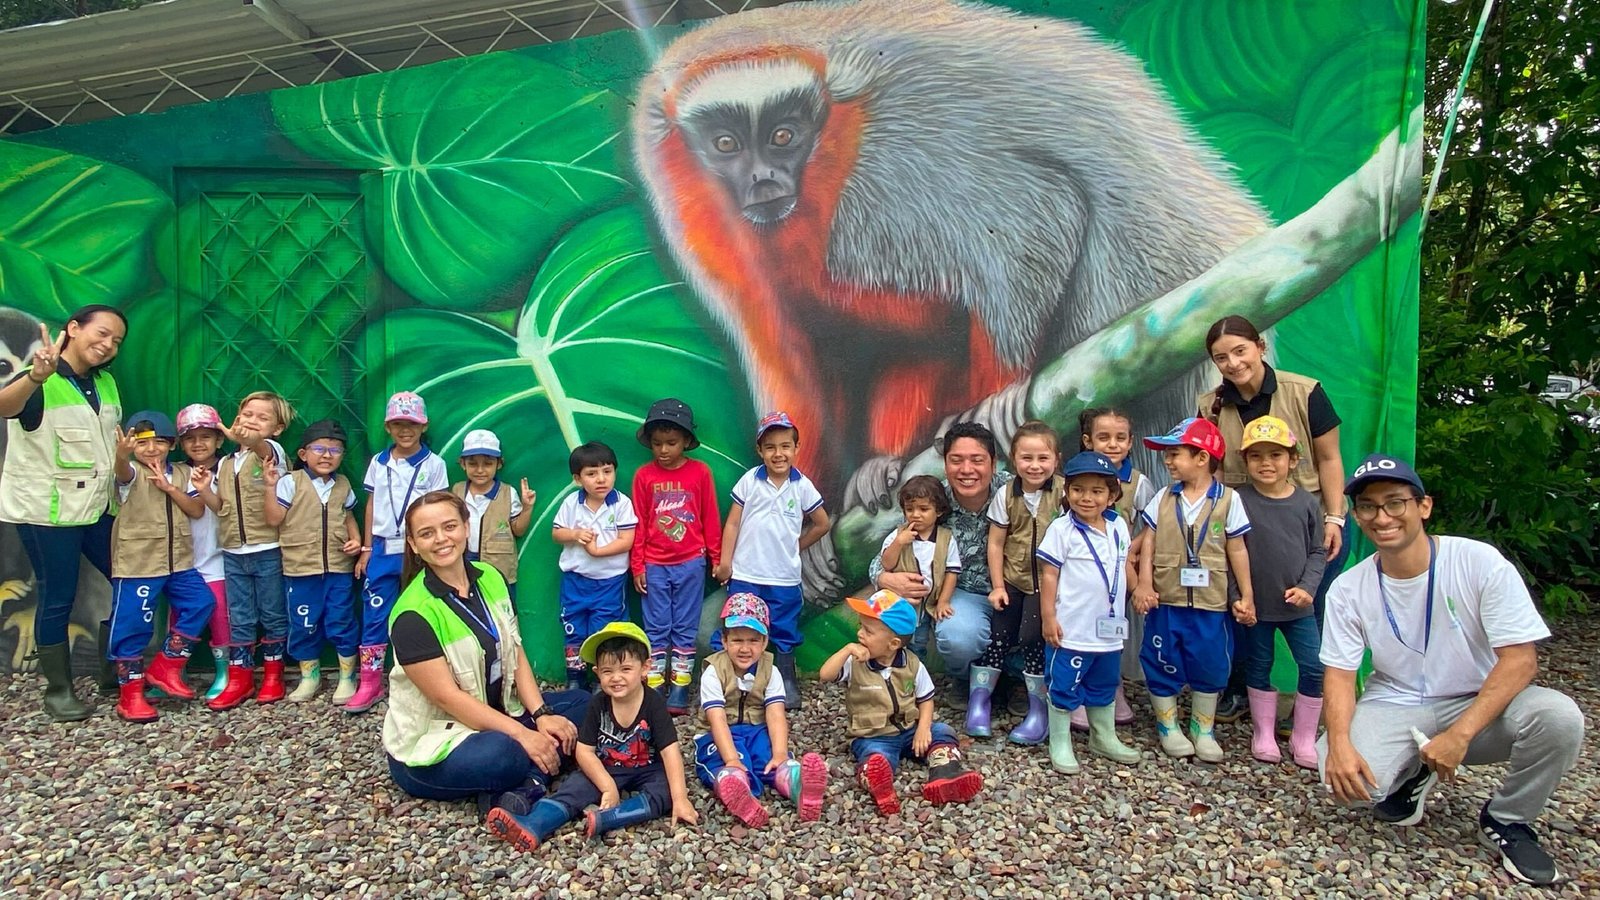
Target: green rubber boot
column 1103, row 740
column 55, row 664
column 1061, row 756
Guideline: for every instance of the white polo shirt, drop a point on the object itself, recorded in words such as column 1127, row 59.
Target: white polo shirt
column 207, row 547
column 241, row 458
column 324, row 486
column 1081, row 594
column 614, row 515
column 1479, row 603
column 712, row 697
column 922, row 552
column 768, row 547
column 478, row 504
column 394, row 483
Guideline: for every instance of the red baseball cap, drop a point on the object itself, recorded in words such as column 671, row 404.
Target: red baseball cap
column 1198, row 433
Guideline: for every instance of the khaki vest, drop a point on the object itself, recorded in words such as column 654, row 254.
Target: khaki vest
column 941, row 549
column 151, row 536
column 61, row 473
column 743, row 707
column 1289, row 403
column 497, row 546
column 1019, row 565
column 415, row 731
column 1124, row 505
column 312, row 533
column 1170, row 555
column 242, row 519
column 875, row 711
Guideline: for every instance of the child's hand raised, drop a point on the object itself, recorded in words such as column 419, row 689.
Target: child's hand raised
column 905, row 536
column 158, row 477
column 858, row 652
column 200, row 477
column 125, row 444
column 684, row 811
column 270, row 473
column 528, row 495
column 1297, row 597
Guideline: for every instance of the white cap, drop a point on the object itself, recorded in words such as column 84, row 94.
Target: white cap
column 481, row 442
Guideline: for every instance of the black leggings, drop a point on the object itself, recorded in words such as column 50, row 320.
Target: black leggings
column 1015, row 627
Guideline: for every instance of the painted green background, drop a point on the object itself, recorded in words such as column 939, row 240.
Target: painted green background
column 512, row 272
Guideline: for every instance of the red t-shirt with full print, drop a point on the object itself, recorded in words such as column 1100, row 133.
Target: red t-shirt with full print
column 678, row 516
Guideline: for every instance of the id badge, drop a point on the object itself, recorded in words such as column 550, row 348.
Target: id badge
column 1194, row 577
column 1111, row 628
column 494, row 671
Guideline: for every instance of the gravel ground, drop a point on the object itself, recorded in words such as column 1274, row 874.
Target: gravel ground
column 294, row 801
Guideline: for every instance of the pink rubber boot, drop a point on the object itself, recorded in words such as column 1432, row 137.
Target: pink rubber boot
column 1264, row 723
column 1303, row 742
column 370, row 689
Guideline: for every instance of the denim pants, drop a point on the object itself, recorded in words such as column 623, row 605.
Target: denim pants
column 486, row 762
column 1305, row 645
column 963, row 637
column 255, row 596
column 55, row 551
column 894, row 746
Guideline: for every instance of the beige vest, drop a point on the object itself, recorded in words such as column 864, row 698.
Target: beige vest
column 497, row 546
column 879, row 707
column 242, row 519
column 61, row 473
column 1019, row 565
column 941, row 549
column 743, row 707
column 313, row 533
column 1124, row 505
column 151, row 536
column 1289, row 403
column 1170, row 555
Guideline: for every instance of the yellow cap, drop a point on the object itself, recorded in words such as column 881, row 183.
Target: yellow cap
column 615, row 629
column 1268, row 430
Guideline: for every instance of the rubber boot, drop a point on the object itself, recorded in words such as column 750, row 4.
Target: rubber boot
column 519, row 801
column 1062, row 758
column 657, row 679
column 733, row 789
column 271, row 681
column 526, row 832
column 106, row 675
column 1263, row 722
column 1080, row 719
column 1103, row 740
column 980, row 693
column 636, row 810
column 349, row 680
column 1202, row 718
column 370, row 689
column 576, row 679
column 784, row 663
column 241, row 682
column 948, row 780
column 1036, row 726
column 131, row 705
column 803, row 783
column 1173, row 743
column 60, row 703
column 678, row 699
column 310, row 682
column 1303, row 742
column 219, row 672
column 166, row 673
column 1124, row 711
column 877, row 776
column 682, row 677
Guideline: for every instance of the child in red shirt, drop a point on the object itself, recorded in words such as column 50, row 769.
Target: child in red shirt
column 679, row 525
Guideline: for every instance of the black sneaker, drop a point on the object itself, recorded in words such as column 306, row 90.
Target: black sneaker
column 1519, row 849
column 1231, row 708
column 1404, row 804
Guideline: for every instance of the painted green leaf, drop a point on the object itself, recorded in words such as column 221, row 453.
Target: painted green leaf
column 603, row 334
column 73, row 230
column 483, row 163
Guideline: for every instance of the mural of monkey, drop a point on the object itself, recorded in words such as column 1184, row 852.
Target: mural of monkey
column 941, row 193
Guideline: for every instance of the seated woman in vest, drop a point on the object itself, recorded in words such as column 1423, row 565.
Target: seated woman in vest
column 466, row 717
column 63, row 412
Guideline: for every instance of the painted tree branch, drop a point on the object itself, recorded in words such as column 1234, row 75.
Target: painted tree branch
column 1265, row 279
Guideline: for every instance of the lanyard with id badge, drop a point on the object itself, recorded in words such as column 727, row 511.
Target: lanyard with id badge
column 1195, row 575
column 486, row 622
column 1110, row 627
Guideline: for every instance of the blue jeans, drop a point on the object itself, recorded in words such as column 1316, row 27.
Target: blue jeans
column 893, row 746
column 133, row 610
column 1305, row 645
column 485, row 762
column 963, row 637
column 323, row 609
column 255, row 596
column 55, row 553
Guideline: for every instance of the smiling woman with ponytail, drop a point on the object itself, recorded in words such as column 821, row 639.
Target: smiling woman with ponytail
column 63, row 413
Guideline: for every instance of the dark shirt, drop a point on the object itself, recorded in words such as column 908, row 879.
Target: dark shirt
column 634, row 746
column 1285, row 548
column 414, row 639
column 1319, row 409
column 32, row 412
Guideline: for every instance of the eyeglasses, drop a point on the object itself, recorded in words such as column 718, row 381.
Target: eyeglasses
column 325, row 450
column 1366, row 512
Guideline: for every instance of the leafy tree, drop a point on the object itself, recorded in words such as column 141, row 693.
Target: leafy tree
column 1510, row 291
column 16, row 13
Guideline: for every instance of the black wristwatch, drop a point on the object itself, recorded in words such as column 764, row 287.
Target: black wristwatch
column 543, row 711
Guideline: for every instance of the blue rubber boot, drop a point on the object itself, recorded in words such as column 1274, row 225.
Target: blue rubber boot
column 981, row 679
column 527, row 832
column 1036, row 727
column 635, row 810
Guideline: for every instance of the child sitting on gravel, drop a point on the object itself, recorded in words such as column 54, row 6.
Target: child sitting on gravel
column 627, row 742
column 746, row 743
column 889, row 697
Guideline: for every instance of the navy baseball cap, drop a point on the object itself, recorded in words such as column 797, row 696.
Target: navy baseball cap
column 1089, row 463
column 160, row 425
column 1382, row 467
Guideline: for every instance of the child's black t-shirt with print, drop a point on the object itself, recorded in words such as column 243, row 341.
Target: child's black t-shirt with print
column 630, row 746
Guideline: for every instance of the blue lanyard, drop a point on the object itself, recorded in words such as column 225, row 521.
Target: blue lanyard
column 489, row 625
column 400, row 511
column 1191, row 543
column 1427, row 619
column 1109, row 580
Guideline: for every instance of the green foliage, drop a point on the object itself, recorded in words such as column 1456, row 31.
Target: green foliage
column 1510, row 290
column 17, row 13
column 483, row 164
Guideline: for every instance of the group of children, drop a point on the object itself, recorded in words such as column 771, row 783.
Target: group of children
column 270, row 558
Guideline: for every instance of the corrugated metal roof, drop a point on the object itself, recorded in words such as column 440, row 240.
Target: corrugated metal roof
column 187, row 51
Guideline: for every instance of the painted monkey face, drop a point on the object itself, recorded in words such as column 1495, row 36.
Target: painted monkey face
column 759, row 150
